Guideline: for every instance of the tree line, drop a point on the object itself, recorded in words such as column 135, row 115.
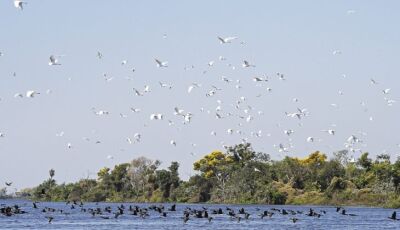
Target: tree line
column 240, row 175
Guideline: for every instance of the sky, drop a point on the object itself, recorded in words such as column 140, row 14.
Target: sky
column 327, row 51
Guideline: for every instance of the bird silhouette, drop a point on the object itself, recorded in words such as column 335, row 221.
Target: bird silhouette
column 393, row 216
column 49, row 219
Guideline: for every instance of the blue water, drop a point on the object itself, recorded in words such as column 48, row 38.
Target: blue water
column 367, row 218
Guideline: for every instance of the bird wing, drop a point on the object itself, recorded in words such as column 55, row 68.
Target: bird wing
column 190, row 88
column 228, row 39
column 53, row 59
column 30, row 93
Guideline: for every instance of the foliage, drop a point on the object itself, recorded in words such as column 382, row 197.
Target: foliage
column 241, row 175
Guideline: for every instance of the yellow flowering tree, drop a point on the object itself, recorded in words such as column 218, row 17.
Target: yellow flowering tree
column 215, row 166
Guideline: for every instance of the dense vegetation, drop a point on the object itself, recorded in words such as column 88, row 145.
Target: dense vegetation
column 241, row 175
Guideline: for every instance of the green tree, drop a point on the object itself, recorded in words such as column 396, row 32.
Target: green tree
column 119, row 177
column 396, row 175
column 365, row 162
column 216, row 166
column 142, row 173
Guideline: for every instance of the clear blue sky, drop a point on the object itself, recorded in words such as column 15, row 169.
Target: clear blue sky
column 296, row 38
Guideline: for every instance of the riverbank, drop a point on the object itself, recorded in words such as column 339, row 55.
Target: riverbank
column 242, row 176
column 354, row 198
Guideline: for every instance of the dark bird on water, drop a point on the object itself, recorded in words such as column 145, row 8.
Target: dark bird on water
column 344, row 213
column 50, row 218
column 393, row 217
column 266, row 213
column 294, row 219
column 173, row 208
column 185, row 218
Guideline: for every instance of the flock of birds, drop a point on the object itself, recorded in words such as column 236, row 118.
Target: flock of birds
column 188, row 213
column 239, row 111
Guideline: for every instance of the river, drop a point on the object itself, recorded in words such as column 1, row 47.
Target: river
column 79, row 217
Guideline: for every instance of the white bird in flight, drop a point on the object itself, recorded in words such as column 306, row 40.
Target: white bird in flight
column 288, row 132
column 137, row 92
column 54, row 60
column 298, row 115
column 353, row 139
column 129, row 140
column 187, row 118
column 135, row 110
column 225, row 79
column 161, row 63
column 281, row 76
column 222, row 58
column 179, row 111
column 282, row 148
column 19, row 4
column 165, row 85
column 156, row 116
column 226, row 40
column 60, row 134
column 31, row 93
column 389, row 101
column 146, row 89
column 247, row 64
column 99, row 55
column 329, row 131
column 18, row 95
column 258, row 79
column 100, row 112
column 373, row 82
column 192, row 86
column 137, row 137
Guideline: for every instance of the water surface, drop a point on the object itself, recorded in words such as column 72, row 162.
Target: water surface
column 366, row 218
